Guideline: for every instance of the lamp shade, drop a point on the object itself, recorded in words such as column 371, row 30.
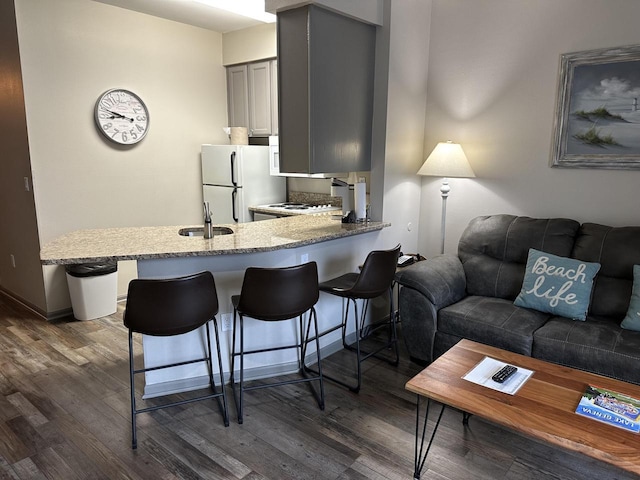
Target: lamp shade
column 447, row 160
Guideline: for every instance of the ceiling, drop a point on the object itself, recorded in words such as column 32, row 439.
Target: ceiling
column 189, row 12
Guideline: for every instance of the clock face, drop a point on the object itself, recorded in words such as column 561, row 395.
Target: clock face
column 122, row 116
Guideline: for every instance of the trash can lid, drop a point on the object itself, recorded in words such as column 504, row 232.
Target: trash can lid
column 92, row 269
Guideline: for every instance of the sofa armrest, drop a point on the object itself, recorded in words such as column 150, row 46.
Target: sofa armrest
column 425, row 288
column 440, row 279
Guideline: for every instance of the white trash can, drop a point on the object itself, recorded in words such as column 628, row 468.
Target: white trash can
column 93, row 288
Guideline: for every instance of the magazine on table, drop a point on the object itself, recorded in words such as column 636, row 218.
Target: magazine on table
column 610, row 407
column 483, row 371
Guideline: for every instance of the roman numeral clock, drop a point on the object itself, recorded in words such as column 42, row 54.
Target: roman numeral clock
column 122, row 116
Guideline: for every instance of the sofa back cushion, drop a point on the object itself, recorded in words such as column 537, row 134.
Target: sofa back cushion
column 493, row 250
column 617, row 250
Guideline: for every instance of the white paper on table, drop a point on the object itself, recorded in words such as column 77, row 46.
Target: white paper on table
column 483, row 371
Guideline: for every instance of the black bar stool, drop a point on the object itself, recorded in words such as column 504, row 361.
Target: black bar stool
column 274, row 294
column 375, row 278
column 172, row 307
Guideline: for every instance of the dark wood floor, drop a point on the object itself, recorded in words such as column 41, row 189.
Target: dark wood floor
column 64, row 414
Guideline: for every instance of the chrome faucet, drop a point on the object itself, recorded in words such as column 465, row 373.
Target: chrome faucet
column 208, row 226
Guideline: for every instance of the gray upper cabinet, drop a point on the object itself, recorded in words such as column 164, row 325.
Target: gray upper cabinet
column 250, row 89
column 238, row 96
column 274, row 97
column 325, row 83
column 259, row 98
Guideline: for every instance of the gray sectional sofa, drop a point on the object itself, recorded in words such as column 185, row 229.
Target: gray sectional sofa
column 471, row 295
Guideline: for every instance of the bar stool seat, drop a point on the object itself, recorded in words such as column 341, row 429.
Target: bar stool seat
column 167, row 307
column 375, row 278
column 277, row 294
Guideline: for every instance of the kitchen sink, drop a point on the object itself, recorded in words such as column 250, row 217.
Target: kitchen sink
column 199, row 231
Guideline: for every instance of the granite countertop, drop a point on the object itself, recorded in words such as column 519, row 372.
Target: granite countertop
column 270, row 212
column 139, row 243
column 285, row 213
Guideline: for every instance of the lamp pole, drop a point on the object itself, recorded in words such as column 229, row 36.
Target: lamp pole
column 444, row 190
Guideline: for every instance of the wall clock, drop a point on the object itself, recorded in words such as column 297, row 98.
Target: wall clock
column 122, row 116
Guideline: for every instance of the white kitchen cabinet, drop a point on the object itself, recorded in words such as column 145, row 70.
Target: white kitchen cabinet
column 252, row 97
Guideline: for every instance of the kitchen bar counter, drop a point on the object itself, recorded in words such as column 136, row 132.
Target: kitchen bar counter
column 142, row 243
column 160, row 252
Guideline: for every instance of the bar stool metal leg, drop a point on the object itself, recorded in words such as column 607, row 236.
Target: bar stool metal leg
column 392, row 336
column 262, row 299
column 361, row 355
column 134, row 438
column 303, row 368
column 238, row 395
column 375, row 278
column 222, row 405
column 168, row 307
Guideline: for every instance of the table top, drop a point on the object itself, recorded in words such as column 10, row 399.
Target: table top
column 139, row 243
column 543, row 408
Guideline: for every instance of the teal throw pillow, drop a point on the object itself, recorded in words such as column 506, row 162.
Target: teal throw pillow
column 558, row 285
column 632, row 320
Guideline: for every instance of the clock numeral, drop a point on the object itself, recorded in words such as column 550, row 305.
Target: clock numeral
column 140, row 129
column 107, row 103
column 141, row 118
column 107, row 126
column 133, row 133
column 115, row 132
column 124, row 137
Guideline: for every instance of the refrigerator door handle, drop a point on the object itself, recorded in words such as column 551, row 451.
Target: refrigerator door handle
column 234, row 197
column 233, row 169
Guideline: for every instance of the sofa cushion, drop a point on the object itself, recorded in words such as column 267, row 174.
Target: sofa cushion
column 557, row 285
column 632, row 320
column 494, row 249
column 598, row 345
column 493, row 321
column 616, row 249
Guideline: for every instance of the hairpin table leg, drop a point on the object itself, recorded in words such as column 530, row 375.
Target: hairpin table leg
column 465, row 418
column 421, row 453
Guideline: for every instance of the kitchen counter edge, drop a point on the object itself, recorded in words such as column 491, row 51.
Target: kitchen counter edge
column 140, row 243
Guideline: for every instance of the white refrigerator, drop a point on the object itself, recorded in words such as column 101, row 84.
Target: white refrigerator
column 236, row 177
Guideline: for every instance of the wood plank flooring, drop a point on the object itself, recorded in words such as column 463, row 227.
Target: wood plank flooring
column 64, row 414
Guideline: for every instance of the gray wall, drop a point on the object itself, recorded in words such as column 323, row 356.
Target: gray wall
column 493, row 72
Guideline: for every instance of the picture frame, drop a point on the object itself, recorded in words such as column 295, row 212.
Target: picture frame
column 597, row 122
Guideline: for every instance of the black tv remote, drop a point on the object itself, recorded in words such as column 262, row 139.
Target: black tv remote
column 505, row 372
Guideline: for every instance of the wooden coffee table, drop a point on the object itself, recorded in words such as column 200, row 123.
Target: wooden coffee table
column 544, row 408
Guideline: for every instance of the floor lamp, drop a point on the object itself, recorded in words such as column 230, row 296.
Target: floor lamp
column 446, row 160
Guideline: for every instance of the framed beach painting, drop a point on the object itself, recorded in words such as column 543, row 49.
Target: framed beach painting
column 597, row 121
